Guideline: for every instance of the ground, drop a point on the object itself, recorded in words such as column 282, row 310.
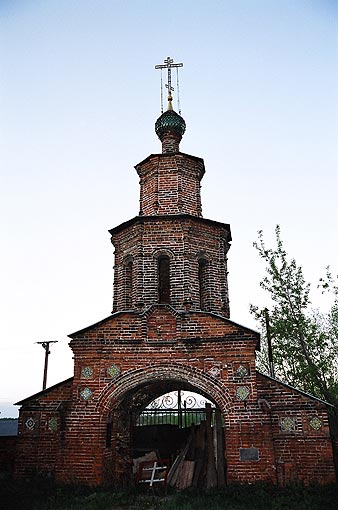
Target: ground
column 45, row 496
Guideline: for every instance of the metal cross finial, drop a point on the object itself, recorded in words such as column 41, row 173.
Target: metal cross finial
column 168, row 64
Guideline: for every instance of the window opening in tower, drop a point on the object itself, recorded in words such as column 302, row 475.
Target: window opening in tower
column 202, row 278
column 129, row 284
column 164, row 279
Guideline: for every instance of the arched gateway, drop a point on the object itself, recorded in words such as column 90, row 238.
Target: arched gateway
column 159, row 378
column 170, row 330
column 122, row 401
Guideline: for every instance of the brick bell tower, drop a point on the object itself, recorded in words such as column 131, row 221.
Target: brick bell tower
column 170, row 330
column 170, row 254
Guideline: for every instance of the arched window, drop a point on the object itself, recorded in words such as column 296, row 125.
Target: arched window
column 164, row 279
column 202, row 279
column 128, row 282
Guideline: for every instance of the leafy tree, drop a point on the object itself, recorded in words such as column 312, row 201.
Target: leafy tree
column 305, row 341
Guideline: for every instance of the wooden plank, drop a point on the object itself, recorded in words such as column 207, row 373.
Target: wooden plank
column 177, row 465
column 219, row 449
column 186, row 475
column 190, row 474
column 153, row 472
column 181, row 477
column 192, row 447
column 211, row 468
column 147, row 457
column 177, row 473
column 200, row 454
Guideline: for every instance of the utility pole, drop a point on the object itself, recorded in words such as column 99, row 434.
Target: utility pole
column 45, row 345
column 268, row 336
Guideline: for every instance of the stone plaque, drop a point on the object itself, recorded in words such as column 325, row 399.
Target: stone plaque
column 248, row 454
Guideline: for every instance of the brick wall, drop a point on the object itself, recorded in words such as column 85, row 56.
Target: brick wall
column 125, row 361
column 170, row 141
column 302, row 452
column 185, row 239
column 170, row 184
column 194, row 364
column 7, row 455
column 41, row 442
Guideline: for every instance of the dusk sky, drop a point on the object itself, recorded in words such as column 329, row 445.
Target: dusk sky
column 79, row 97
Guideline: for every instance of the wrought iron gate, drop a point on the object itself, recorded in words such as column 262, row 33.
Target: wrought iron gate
column 175, row 408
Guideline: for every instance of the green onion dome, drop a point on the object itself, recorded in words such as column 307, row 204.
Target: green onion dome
column 170, row 121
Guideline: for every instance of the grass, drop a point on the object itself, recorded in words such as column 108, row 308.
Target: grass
column 257, row 497
column 38, row 496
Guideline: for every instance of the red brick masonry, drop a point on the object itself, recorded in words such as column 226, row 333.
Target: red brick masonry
column 152, row 349
column 81, row 430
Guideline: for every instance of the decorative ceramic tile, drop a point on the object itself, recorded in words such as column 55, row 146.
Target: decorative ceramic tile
column 214, row 372
column 86, row 393
column 242, row 371
column 87, row 372
column 113, row 371
column 315, row 423
column 53, row 424
column 30, row 423
column 242, row 392
column 287, row 424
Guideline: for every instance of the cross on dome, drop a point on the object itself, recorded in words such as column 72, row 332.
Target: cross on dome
column 168, row 64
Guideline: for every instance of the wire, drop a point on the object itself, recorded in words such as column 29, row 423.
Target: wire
column 161, row 92
column 178, row 92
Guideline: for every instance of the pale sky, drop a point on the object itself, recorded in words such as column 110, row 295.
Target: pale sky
column 79, row 97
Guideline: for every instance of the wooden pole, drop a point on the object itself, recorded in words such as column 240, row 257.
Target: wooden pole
column 220, row 449
column 199, row 453
column 46, row 345
column 211, row 468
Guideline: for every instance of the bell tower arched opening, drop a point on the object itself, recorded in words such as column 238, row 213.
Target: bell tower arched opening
column 128, row 282
column 164, row 279
column 203, row 283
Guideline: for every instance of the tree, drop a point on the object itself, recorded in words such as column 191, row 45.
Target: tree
column 305, row 341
